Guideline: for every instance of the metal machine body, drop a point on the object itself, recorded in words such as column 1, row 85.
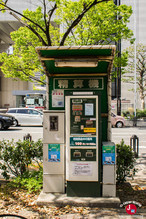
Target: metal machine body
column 77, row 120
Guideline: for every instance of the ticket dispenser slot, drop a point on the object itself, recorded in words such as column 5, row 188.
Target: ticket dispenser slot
column 89, row 154
column 77, row 154
column 82, row 146
column 53, row 123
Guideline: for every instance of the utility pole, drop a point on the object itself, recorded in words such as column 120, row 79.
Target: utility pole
column 117, row 82
column 135, row 80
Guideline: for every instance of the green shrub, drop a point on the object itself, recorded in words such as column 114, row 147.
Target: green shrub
column 15, row 157
column 128, row 115
column 30, row 181
column 140, row 113
column 125, row 162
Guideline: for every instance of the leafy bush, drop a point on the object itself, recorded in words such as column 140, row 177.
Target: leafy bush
column 125, row 162
column 31, row 181
column 15, row 157
column 128, row 115
column 141, row 113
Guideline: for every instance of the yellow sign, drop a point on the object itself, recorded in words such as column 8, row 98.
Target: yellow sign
column 89, row 129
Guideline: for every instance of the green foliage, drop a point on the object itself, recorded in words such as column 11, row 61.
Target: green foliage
column 141, row 113
column 125, row 162
column 30, row 181
column 120, row 60
column 24, row 62
column 102, row 24
column 128, row 115
column 15, row 157
column 82, row 22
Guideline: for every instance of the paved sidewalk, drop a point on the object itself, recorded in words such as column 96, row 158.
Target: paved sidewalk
column 103, row 213
column 98, row 213
column 93, row 214
column 140, row 176
column 111, row 213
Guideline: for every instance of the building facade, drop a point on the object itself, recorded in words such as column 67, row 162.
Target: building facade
column 138, row 25
column 12, row 92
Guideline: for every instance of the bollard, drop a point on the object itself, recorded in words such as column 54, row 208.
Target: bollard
column 27, row 137
column 135, row 122
column 134, row 143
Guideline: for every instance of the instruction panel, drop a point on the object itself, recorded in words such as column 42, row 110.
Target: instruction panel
column 82, row 138
column 82, row 169
column 83, row 116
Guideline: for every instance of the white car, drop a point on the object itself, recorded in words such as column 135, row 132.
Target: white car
column 26, row 116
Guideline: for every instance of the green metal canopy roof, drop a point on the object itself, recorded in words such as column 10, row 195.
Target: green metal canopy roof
column 76, row 60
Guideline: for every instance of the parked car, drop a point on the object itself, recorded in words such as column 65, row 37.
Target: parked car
column 117, row 121
column 26, row 116
column 6, row 121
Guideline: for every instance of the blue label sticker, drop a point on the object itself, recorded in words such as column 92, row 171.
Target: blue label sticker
column 108, row 158
column 53, row 152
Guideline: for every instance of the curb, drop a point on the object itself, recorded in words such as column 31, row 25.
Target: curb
column 63, row 200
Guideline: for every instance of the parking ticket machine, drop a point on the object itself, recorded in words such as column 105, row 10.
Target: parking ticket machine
column 82, row 163
column 77, row 121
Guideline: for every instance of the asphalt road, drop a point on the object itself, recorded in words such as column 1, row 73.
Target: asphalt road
column 126, row 133
column 19, row 132
column 117, row 134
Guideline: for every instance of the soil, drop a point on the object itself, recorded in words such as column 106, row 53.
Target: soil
column 20, row 202
column 126, row 192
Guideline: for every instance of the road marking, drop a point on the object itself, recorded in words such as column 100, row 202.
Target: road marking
column 29, row 133
column 142, row 146
column 125, row 133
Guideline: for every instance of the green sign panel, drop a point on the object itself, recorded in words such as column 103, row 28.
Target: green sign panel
column 83, row 141
column 108, row 149
column 78, row 83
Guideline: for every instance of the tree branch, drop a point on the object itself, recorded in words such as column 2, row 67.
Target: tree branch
column 30, row 28
column 12, row 171
column 50, row 13
column 32, row 77
column 20, row 69
column 78, row 19
column 10, row 9
column 14, row 12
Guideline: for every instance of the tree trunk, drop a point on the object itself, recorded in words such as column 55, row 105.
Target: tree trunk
column 142, row 103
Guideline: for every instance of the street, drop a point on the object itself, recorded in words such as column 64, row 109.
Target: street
column 19, row 132
column 127, row 132
column 117, row 134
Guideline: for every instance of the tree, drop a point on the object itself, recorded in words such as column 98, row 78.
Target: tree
column 85, row 22
column 103, row 24
column 128, row 71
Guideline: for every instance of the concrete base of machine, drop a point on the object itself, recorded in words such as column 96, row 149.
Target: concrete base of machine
column 63, row 200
